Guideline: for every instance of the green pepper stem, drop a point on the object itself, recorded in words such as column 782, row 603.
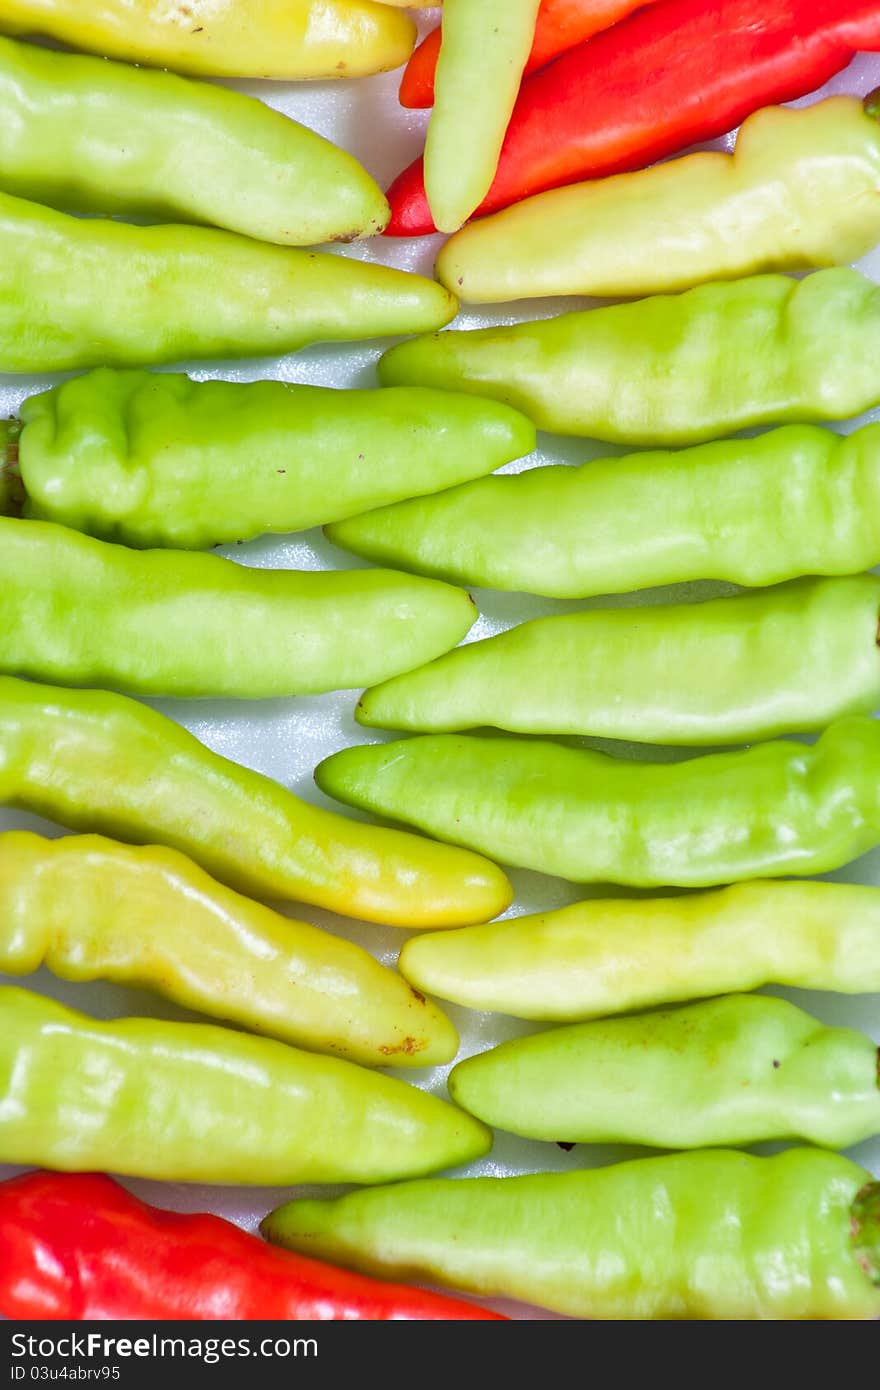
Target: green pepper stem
column 11, row 487
column 871, row 104
column 865, row 1230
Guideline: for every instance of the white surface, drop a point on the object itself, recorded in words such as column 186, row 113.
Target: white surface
column 287, row 738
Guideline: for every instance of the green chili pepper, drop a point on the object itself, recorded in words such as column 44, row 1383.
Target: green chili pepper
column 90, row 909
column 94, row 761
column 774, row 809
column 704, row 1235
column 83, row 293
column 190, row 1102
column 85, row 134
column 610, row 955
column 726, row 1071
column 160, row 622
column 789, row 658
column 156, row 459
column 674, row 369
column 800, row 191
column 798, row 500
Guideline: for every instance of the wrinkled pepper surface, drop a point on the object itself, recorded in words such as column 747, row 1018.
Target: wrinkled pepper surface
column 89, row 909
column 670, row 76
column 190, row 1102
column 84, row 134
column 483, row 53
column 161, row 622
column 101, row 762
column 727, row 1071
column 79, row 1247
column 153, row 458
column 717, row 1234
column 798, row 193
column 776, row 808
column 793, row 501
column 87, row 292
column 611, row 955
column 227, row 38
column 673, row 369
column 790, row 658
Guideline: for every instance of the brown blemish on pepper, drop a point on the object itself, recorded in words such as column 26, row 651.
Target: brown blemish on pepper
column 409, row 1047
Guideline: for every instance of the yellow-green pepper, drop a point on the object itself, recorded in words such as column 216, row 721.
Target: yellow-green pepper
column 89, row 909
column 797, row 500
column 163, row 622
column 611, row 955
column 672, row 369
column 227, row 38
column 101, row 762
column 798, row 193
column 153, row 458
column 773, row 809
column 727, row 1071
column 84, row 134
column 88, row 292
column 715, row 1234
column 190, row 1102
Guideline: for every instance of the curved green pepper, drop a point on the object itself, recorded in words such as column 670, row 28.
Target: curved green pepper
column 90, row 909
column 190, row 1102
column 610, row 955
column 89, row 292
column 160, row 622
column 726, row 1071
column 798, row 500
column 85, row 134
column 703, row 1235
column 94, row 761
column 790, row 658
column 155, row 459
column 799, row 191
column 674, row 369
column 228, row 38
column 773, row 809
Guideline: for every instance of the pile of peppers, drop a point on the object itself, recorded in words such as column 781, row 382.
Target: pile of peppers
column 544, row 118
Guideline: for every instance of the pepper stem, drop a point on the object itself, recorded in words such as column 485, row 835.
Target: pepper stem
column 865, row 1230
column 12, row 493
column 871, row 104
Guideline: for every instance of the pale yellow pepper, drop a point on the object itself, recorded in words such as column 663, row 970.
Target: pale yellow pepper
column 232, row 38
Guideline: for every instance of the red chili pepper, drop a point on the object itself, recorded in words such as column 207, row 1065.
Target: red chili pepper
column 667, row 77
column 80, row 1247
column 561, row 25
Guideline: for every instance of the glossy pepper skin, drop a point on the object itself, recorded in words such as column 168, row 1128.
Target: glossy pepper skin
column 82, row 133
column 717, row 1235
column 672, row 369
column 670, row 76
column 611, row 955
column 776, row 808
column 83, row 293
column 288, row 39
column 100, row 762
column 153, row 459
column 79, row 1247
column 81, row 612
column 561, row 24
column 790, row 658
column 798, row 193
column 618, row 524
column 189, row 1102
column 89, row 908
column 484, row 51
column 727, row 1071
